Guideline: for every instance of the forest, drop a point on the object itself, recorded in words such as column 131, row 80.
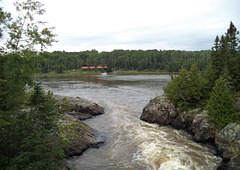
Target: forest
column 162, row 60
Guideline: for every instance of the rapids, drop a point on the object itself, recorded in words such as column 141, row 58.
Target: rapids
column 131, row 143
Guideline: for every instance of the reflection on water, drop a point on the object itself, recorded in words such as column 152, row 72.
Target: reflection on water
column 131, row 143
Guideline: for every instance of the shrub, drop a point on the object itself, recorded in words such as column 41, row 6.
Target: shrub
column 185, row 90
column 220, row 106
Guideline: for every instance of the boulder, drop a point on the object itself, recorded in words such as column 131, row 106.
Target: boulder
column 228, row 141
column 159, row 110
column 81, row 108
column 202, row 130
column 78, row 136
column 183, row 121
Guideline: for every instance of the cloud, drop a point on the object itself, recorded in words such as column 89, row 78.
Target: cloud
column 139, row 24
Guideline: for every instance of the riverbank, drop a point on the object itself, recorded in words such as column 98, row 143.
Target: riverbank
column 78, row 136
column 226, row 142
column 68, row 73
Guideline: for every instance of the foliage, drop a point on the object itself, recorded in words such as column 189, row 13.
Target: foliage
column 225, row 57
column 68, row 132
column 24, row 32
column 208, row 79
column 59, row 69
column 28, row 117
column 33, row 139
column 4, row 17
column 160, row 60
column 234, row 73
column 220, row 106
column 185, row 90
column 16, row 74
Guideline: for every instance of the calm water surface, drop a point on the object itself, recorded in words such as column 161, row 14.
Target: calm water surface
column 131, row 143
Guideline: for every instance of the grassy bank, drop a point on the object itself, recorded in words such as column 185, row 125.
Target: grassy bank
column 68, row 73
column 117, row 72
column 136, row 72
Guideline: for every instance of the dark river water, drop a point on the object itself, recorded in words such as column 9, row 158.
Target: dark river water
column 130, row 142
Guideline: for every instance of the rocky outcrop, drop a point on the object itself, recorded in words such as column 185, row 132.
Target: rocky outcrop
column 81, row 108
column 77, row 135
column 159, row 110
column 200, row 128
column 227, row 142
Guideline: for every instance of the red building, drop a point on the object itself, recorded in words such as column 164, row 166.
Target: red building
column 92, row 67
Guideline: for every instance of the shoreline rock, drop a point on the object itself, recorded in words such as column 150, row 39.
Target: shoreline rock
column 80, row 136
column 82, row 109
column 226, row 142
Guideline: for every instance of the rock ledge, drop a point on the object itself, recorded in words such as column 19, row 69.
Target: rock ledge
column 84, row 137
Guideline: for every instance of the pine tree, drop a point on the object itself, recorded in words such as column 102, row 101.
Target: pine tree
column 234, row 71
column 33, row 139
column 232, row 40
column 233, row 57
column 209, row 78
column 224, row 59
column 220, row 106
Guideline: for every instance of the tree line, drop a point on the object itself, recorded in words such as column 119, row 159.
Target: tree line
column 164, row 60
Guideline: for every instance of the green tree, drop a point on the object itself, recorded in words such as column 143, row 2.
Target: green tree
column 218, row 58
column 234, row 72
column 220, row 106
column 16, row 74
column 232, row 40
column 185, row 90
column 196, row 85
column 28, row 126
column 33, row 139
column 209, row 78
column 224, row 59
column 178, row 89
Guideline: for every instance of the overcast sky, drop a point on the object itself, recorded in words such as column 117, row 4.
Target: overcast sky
column 106, row 25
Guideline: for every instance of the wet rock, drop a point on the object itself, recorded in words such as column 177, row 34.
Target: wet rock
column 183, row 121
column 228, row 140
column 86, row 140
column 202, row 130
column 77, row 135
column 159, row 110
column 80, row 116
column 81, row 108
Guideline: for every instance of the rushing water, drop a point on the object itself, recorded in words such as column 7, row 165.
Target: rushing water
column 130, row 142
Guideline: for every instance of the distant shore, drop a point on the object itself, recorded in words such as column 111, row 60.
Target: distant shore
column 118, row 72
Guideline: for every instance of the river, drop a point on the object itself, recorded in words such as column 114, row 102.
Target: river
column 130, row 142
